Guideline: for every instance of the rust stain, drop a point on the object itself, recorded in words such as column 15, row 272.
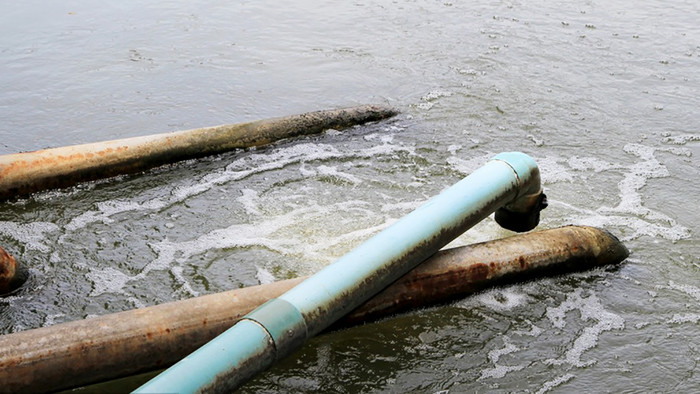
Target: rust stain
column 478, row 272
column 8, row 272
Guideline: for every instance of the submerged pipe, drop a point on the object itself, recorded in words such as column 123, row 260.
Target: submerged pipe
column 29, row 172
column 283, row 324
column 11, row 275
column 127, row 343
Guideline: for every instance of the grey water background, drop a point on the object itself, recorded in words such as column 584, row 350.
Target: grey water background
column 604, row 95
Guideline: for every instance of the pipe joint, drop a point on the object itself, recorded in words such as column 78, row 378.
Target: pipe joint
column 523, row 213
column 285, row 324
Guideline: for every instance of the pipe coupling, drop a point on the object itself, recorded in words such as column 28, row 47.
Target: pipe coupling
column 284, row 323
column 523, row 213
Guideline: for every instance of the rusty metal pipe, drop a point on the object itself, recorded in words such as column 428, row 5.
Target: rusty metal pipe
column 29, row 172
column 274, row 330
column 12, row 275
column 123, row 344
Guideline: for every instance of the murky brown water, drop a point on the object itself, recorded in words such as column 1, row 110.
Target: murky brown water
column 604, row 97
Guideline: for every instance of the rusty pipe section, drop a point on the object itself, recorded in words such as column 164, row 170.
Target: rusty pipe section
column 29, row 172
column 284, row 324
column 12, row 276
column 455, row 273
column 122, row 344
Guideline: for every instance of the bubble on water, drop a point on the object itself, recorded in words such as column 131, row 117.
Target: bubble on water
column 107, row 280
column 590, row 164
column 535, row 140
column 30, row 235
column 685, row 318
column 534, row 331
column 107, row 209
column 333, row 172
column 436, row 94
column 681, row 139
column 687, row 289
column 645, row 221
column 498, row 371
column 403, row 207
column 590, row 308
column 279, row 234
column 552, row 172
column 238, row 169
column 249, row 200
column 637, row 177
column 502, row 299
column 554, row 383
column 264, row 276
column 185, row 286
column 469, row 71
column 51, row 319
column 467, row 166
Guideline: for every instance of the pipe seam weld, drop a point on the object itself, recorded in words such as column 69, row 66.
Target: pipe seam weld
column 284, row 324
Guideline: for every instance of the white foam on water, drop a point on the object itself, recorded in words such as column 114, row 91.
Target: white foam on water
column 185, row 286
column 50, row 320
column 107, row 209
column 684, row 318
column 239, row 169
column 249, row 199
column 630, row 212
column 333, row 172
column 552, row 172
column 687, row 289
column 590, row 308
column 264, row 276
column 107, row 280
column 467, row 166
column 279, row 234
column 554, row 383
column 681, row 139
column 138, row 304
column 453, row 149
column 535, row 331
column 498, row 371
column 436, row 94
column 637, row 176
column 591, row 164
column 502, row 299
column 30, row 235
column 407, row 206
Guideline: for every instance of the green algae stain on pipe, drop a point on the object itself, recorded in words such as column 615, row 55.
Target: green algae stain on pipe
column 29, row 172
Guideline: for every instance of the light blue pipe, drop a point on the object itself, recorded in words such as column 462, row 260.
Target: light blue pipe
column 509, row 183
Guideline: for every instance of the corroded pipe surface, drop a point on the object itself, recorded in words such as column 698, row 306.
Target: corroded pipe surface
column 122, row 344
column 29, row 172
column 457, row 272
column 11, row 276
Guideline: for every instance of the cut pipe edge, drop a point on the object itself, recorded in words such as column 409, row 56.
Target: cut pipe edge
column 24, row 173
column 12, row 274
column 123, row 344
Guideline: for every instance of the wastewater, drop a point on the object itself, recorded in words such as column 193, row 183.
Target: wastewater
column 603, row 95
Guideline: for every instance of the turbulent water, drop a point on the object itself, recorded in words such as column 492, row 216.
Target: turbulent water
column 604, row 96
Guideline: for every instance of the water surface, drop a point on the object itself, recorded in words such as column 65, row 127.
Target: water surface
column 603, row 96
